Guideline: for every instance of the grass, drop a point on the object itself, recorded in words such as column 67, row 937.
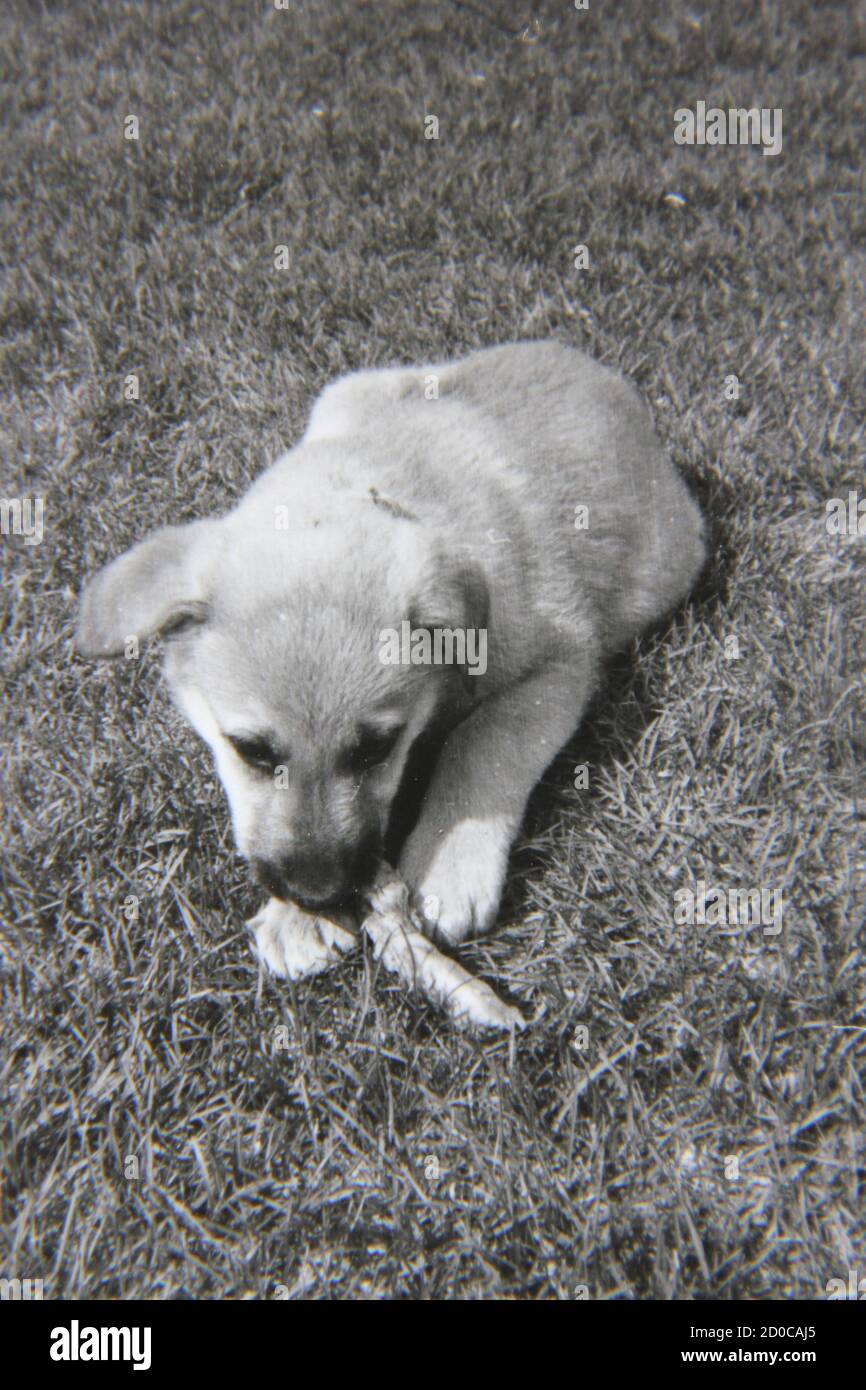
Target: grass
column 337, row 1138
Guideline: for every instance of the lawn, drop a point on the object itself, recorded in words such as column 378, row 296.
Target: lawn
column 173, row 1126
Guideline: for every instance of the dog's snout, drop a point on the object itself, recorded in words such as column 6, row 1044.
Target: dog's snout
column 305, row 876
column 317, row 878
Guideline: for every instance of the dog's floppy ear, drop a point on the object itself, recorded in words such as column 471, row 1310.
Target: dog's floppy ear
column 158, row 585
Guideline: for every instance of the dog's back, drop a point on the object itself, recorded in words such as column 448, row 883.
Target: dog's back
column 580, row 436
column 536, row 447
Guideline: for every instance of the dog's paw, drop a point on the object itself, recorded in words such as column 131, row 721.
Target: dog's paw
column 294, row 943
column 458, row 883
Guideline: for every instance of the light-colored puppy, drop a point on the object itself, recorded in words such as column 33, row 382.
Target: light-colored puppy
column 519, row 496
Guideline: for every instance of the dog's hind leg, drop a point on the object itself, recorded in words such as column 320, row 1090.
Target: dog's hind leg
column 294, row 943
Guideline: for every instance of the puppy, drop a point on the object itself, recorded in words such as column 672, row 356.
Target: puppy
column 454, row 548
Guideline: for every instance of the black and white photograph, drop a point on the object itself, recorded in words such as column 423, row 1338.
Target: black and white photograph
column 433, row 527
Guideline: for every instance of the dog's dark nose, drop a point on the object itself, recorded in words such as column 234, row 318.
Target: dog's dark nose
column 315, row 878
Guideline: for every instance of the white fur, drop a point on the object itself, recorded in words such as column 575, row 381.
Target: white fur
column 294, row 943
column 232, row 774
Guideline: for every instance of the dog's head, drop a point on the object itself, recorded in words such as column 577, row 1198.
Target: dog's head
column 274, row 654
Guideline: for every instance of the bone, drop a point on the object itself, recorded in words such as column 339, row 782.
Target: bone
column 404, row 951
column 296, row 944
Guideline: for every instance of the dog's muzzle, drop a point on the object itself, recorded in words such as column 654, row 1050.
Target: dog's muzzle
column 319, row 879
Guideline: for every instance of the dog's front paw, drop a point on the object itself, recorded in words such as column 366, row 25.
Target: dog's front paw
column 458, row 881
column 294, row 943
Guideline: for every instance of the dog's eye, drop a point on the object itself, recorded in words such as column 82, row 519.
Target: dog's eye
column 371, row 750
column 256, row 753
